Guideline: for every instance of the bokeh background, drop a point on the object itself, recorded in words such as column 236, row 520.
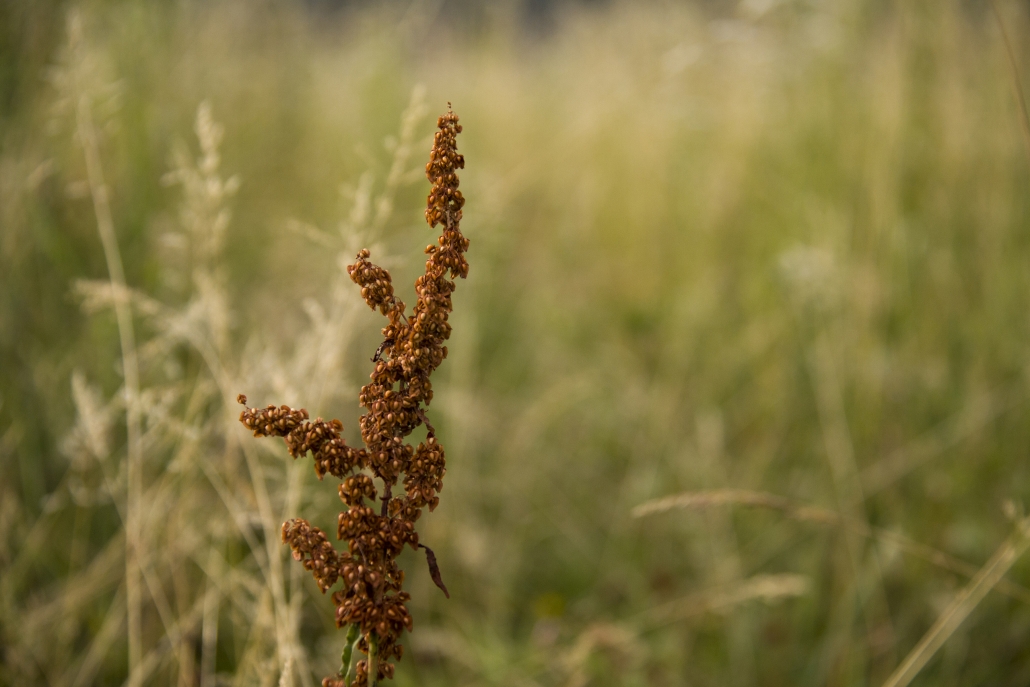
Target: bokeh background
column 774, row 254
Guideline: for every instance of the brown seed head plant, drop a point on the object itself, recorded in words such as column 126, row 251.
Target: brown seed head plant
column 371, row 602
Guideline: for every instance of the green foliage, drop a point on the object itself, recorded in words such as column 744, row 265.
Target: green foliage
column 781, row 248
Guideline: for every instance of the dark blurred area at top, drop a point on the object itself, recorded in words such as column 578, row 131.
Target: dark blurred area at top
column 32, row 30
column 536, row 16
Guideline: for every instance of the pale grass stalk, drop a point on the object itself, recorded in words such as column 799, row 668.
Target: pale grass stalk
column 625, row 637
column 171, row 626
column 597, row 636
column 243, row 593
column 100, row 575
column 943, row 560
column 130, row 370
column 239, row 516
column 723, row 598
column 109, row 632
column 1017, row 85
column 286, row 677
column 285, row 623
column 962, row 605
column 726, row 564
column 703, row 500
column 285, row 612
column 209, row 345
column 840, row 450
column 121, row 302
column 225, row 578
column 255, row 652
column 344, row 305
column 966, row 422
column 398, row 168
column 187, row 663
column 209, row 628
column 285, row 620
column 840, row 453
column 141, row 559
column 157, row 654
column 206, row 221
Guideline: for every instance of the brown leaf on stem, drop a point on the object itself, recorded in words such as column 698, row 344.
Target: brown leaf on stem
column 434, row 570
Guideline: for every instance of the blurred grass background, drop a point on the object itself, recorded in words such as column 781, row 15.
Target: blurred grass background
column 770, row 246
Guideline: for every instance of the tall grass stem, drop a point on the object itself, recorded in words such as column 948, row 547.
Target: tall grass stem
column 961, row 606
column 130, row 370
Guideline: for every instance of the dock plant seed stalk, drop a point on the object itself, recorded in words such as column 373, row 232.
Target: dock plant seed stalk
column 371, row 602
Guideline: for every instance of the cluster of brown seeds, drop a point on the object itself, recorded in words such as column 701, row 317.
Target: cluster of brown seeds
column 413, row 347
column 321, row 438
column 311, row 546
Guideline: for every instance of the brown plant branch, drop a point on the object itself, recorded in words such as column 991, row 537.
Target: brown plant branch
column 371, row 597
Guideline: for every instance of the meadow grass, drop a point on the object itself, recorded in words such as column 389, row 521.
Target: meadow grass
column 767, row 262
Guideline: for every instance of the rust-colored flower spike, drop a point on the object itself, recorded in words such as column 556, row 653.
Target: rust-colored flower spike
column 371, row 601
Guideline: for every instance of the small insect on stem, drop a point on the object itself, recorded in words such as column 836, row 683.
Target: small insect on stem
column 379, row 351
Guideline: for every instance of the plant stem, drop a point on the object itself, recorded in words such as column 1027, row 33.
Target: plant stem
column 373, row 659
column 346, row 671
column 962, row 605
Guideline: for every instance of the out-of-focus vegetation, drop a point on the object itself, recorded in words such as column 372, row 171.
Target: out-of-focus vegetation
column 781, row 247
